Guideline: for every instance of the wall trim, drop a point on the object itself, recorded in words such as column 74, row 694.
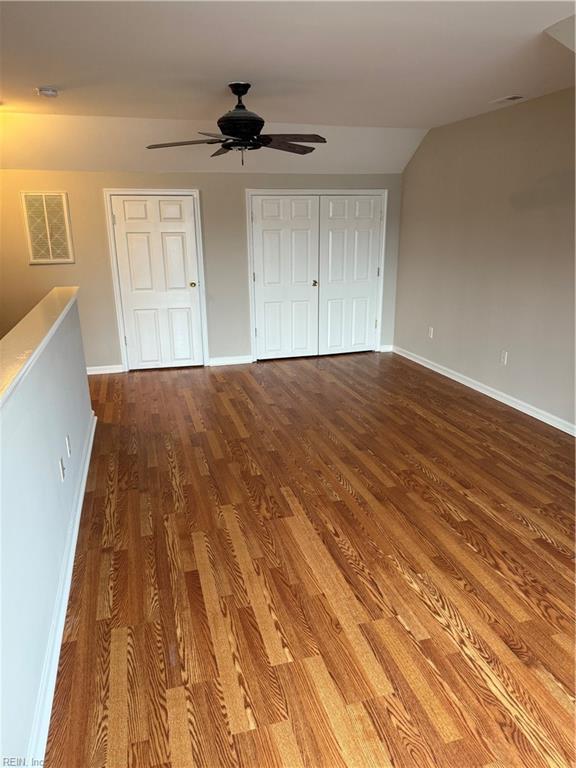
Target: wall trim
column 94, row 370
column 43, row 708
column 234, row 360
column 502, row 397
column 386, row 348
column 280, row 191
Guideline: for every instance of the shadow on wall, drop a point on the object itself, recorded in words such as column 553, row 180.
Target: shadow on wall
column 552, row 190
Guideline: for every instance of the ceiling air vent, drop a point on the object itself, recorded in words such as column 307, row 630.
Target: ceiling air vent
column 48, row 91
column 507, row 99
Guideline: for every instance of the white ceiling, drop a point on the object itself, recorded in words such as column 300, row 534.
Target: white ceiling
column 387, row 64
column 563, row 31
column 77, row 142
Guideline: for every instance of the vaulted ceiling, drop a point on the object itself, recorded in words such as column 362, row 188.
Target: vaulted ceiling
column 386, row 64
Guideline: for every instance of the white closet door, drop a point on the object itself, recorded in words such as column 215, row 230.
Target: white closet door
column 350, row 248
column 158, row 272
column 285, row 245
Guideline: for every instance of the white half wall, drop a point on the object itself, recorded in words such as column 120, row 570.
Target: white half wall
column 44, row 407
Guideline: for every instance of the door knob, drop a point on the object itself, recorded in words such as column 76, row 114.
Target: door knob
column 314, row 283
column 192, row 285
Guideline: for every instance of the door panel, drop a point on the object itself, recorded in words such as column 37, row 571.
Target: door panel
column 272, row 328
column 350, row 238
column 180, row 329
column 272, row 257
column 335, row 323
column 147, row 339
column 301, row 326
column 300, row 257
column 174, row 255
column 285, row 245
column 360, row 318
column 135, row 210
column 336, row 256
column 155, row 240
column 138, row 250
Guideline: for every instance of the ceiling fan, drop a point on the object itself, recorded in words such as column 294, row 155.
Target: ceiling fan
column 240, row 130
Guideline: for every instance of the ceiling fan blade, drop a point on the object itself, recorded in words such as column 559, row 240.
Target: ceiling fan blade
column 183, row 143
column 221, row 151
column 306, row 138
column 285, row 146
column 220, row 136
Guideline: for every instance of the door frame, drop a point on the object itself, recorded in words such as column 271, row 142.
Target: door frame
column 251, row 193
column 109, row 193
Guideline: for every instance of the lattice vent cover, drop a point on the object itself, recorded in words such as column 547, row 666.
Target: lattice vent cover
column 48, row 227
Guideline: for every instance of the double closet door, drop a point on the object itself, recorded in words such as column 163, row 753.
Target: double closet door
column 316, row 273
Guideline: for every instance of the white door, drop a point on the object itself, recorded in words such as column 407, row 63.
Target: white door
column 158, row 272
column 285, row 246
column 350, row 249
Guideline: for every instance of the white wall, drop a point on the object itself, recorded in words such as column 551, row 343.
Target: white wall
column 43, row 397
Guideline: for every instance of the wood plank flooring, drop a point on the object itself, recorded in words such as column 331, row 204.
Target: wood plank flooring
column 318, row 563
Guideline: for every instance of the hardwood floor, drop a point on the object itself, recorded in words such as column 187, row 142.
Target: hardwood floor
column 318, row 563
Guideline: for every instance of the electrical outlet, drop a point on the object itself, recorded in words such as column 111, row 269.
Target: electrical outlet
column 62, row 470
column 430, row 332
column 504, row 357
column 68, row 446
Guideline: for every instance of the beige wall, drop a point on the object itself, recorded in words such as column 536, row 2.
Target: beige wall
column 487, row 251
column 225, row 253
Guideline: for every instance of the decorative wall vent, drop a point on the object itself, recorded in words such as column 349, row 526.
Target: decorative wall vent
column 48, row 227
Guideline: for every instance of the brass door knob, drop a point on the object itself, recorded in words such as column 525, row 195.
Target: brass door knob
column 192, row 284
column 314, row 283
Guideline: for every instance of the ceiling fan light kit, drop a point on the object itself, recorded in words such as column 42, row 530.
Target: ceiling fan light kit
column 241, row 130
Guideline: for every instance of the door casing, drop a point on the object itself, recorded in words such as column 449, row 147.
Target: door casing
column 195, row 195
column 251, row 193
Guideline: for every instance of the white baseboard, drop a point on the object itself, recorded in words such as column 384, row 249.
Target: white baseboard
column 94, row 370
column 513, row 402
column 43, row 709
column 386, row 348
column 235, row 360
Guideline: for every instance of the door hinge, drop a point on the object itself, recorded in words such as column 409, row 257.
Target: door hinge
column 125, row 341
column 376, row 323
column 378, row 272
column 113, row 219
column 254, row 277
column 255, row 331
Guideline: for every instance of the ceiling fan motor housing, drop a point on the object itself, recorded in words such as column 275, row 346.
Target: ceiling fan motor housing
column 240, row 122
